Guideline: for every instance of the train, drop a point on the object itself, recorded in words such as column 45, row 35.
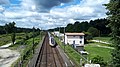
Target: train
column 51, row 40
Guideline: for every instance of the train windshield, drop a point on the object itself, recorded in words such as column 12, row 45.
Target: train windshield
column 52, row 40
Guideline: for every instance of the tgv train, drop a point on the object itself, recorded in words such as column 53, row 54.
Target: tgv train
column 51, row 40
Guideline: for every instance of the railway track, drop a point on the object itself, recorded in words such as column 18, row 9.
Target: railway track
column 49, row 56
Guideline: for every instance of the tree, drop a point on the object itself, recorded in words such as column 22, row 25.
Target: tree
column 114, row 18
column 76, row 27
column 69, row 28
column 93, row 31
column 101, row 24
column 13, row 38
column 10, row 28
column 88, row 35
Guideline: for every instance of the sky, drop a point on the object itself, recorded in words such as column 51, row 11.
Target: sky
column 47, row 14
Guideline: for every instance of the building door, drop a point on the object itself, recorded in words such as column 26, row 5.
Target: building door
column 74, row 42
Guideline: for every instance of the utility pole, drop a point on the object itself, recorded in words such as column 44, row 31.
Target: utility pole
column 33, row 39
column 64, row 39
column 59, row 33
column 41, row 34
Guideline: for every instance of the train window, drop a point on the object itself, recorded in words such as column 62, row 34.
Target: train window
column 52, row 40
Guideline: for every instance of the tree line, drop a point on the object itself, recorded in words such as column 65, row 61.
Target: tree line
column 93, row 27
column 9, row 28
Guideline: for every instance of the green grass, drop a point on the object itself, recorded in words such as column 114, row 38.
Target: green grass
column 4, row 39
column 28, row 48
column 95, row 50
column 24, row 50
column 72, row 54
column 104, row 39
column 91, row 48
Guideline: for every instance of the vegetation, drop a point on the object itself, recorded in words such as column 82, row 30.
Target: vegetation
column 72, row 53
column 10, row 33
column 99, row 60
column 26, row 41
column 26, row 48
column 26, row 51
column 4, row 39
column 114, row 23
column 94, row 32
column 10, row 28
column 93, row 49
column 99, row 24
column 13, row 38
column 104, row 39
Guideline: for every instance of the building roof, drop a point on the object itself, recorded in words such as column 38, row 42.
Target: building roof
column 74, row 34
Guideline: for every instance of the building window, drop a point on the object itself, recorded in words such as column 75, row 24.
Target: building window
column 73, row 36
column 80, row 42
column 81, row 37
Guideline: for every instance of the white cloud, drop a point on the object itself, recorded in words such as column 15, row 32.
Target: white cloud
column 28, row 5
column 25, row 15
column 2, row 9
column 2, row 2
column 87, row 9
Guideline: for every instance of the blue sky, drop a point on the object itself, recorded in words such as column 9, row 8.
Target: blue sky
column 48, row 14
column 15, row 1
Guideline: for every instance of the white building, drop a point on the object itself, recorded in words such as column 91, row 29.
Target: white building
column 75, row 39
column 56, row 33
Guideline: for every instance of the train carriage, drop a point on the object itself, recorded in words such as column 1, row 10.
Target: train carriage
column 51, row 40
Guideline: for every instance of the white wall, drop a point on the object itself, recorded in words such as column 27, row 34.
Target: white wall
column 65, row 39
column 77, row 39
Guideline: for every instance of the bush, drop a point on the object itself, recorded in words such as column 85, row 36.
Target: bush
column 99, row 60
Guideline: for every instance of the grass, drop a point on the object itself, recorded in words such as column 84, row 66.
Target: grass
column 72, row 54
column 4, row 39
column 26, row 52
column 91, row 48
column 95, row 50
column 104, row 39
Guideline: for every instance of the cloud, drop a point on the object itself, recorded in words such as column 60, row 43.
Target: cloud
column 86, row 10
column 46, row 5
column 4, row 2
column 40, row 13
column 2, row 9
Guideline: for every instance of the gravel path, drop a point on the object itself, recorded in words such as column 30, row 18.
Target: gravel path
column 7, row 56
column 100, row 41
column 105, row 46
column 103, row 43
column 6, row 46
